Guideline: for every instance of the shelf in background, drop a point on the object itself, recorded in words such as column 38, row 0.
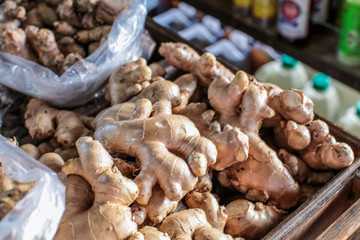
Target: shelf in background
column 320, row 53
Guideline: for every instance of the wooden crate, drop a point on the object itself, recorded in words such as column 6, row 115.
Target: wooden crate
column 339, row 196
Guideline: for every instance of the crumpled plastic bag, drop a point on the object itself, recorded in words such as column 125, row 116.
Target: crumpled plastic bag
column 38, row 214
column 79, row 83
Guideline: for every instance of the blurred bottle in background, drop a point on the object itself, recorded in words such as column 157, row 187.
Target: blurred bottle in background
column 320, row 11
column 293, row 22
column 351, row 119
column 287, row 73
column 324, row 96
column 242, row 8
column 349, row 43
column 264, row 12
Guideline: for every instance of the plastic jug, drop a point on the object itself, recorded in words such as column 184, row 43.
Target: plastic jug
column 288, row 73
column 351, row 119
column 324, row 96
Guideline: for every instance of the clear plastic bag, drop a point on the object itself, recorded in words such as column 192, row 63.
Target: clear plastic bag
column 79, row 83
column 38, row 214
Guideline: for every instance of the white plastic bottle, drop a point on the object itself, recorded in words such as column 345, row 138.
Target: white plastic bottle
column 288, row 73
column 324, row 96
column 351, row 119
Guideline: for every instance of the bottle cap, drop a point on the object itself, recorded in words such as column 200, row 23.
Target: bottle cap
column 288, row 61
column 321, row 82
column 357, row 106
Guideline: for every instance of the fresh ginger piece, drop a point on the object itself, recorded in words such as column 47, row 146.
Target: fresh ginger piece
column 324, row 152
column 232, row 145
column 31, row 150
column 69, row 153
column 190, row 223
column 64, row 28
column 10, row 198
column 152, row 140
column 206, row 201
column 32, row 18
column 66, row 11
column 250, row 220
column 126, row 82
column 149, row 233
column 44, row 43
column 157, row 70
column 6, row 183
column 68, row 45
column 53, row 161
column 39, row 119
column 161, row 89
column 86, row 5
column 107, row 10
column 92, row 35
column 301, row 172
column 204, row 183
column 187, row 85
column 262, row 176
column 187, row 59
column 138, row 213
column 159, row 206
column 45, row 147
column 291, row 135
column 14, row 42
column 69, row 128
column 70, row 60
column 107, row 215
column 47, row 14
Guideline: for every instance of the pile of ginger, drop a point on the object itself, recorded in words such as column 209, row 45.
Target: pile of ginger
column 56, row 33
column 184, row 159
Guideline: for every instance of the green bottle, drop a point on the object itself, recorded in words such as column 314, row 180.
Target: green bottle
column 349, row 44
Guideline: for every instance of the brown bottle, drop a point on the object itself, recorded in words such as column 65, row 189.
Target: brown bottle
column 293, row 23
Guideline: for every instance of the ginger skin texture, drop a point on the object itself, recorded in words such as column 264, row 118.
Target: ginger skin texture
column 97, row 196
column 262, row 177
column 251, row 221
column 232, row 145
column 128, row 81
column 44, row 43
column 131, row 129
column 324, row 152
column 191, row 224
column 149, row 233
column 216, row 215
column 40, row 119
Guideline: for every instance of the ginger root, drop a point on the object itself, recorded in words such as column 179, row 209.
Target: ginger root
column 128, row 81
column 250, row 220
column 149, row 233
column 191, row 224
column 53, row 161
column 44, row 43
column 206, row 201
column 262, row 177
column 324, row 152
column 128, row 128
column 301, row 172
column 106, row 215
column 232, row 145
column 40, row 119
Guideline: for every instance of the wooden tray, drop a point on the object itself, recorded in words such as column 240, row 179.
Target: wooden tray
column 321, row 215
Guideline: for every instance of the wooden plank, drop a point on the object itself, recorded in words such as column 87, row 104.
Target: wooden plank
column 347, row 224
